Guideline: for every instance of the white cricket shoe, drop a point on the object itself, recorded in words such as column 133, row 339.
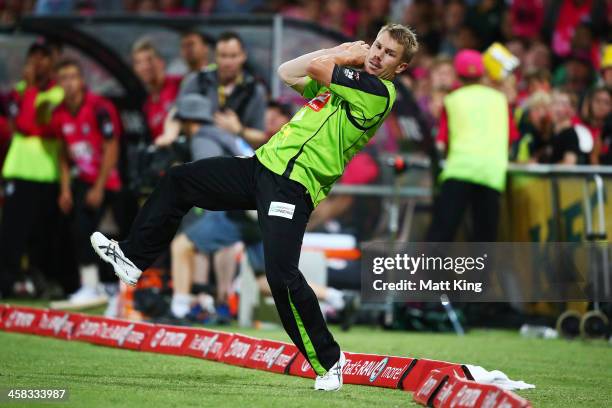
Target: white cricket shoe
column 84, row 298
column 332, row 380
column 110, row 252
column 88, row 294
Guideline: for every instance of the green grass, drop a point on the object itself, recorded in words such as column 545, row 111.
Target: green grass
column 566, row 374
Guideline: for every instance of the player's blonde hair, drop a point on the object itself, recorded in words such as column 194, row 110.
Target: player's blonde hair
column 405, row 36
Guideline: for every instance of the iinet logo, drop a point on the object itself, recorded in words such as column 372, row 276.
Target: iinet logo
column 237, row 349
column 165, row 338
column 19, row 319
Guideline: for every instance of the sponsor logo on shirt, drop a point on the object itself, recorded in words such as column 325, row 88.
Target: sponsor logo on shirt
column 319, row 101
column 350, row 74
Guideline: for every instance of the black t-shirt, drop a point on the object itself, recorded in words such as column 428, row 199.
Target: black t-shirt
column 563, row 142
column 553, row 151
column 606, row 141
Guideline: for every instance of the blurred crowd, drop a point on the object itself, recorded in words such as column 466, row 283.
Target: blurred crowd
column 560, row 46
column 551, row 60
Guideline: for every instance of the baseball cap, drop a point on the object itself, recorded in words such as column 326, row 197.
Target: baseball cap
column 468, row 64
column 194, row 107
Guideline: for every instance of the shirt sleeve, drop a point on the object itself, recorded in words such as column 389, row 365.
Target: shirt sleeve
column 311, row 89
column 107, row 120
column 364, row 92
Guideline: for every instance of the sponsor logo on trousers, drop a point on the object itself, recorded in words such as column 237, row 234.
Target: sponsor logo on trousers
column 237, row 349
column 19, row 319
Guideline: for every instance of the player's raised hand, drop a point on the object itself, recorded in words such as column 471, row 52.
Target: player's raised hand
column 358, row 52
column 345, row 46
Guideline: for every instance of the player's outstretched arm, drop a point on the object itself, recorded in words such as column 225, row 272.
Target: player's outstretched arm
column 321, row 68
column 294, row 72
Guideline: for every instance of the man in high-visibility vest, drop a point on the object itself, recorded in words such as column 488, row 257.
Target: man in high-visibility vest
column 30, row 170
column 475, row 127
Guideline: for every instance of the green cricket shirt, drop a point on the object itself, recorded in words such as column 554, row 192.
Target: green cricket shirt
column 323, row 136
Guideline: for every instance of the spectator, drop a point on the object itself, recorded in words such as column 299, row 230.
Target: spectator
column 31, row 171
column 476, row 126
column 527, row 17
column 238, row 99
column 569, row 143
column 563, row 18
column 237, row 6
column 452, row 21
column 308, row 10
column 538, row 80
column 597, row 109
column 12, row 10
column 536, row 57
column 485, row 19
column 535, row 126
column 195, row 50
column 277, row 114
column 55, row 6
column 163, row 89
column 575, row 74
column 443, row 80
column 89, row 126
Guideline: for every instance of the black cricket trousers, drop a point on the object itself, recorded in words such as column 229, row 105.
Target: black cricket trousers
column 455, row 197
column 283, row 206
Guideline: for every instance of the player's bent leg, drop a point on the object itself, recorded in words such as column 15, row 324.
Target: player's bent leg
column 284, row 208
column 214, row 184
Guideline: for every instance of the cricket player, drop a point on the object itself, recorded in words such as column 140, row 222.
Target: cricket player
column 351, row 94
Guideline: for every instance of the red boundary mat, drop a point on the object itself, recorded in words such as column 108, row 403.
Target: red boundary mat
column 438, row 384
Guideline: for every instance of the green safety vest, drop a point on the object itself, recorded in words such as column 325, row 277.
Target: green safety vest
column 478, row 136
column 31, row 157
